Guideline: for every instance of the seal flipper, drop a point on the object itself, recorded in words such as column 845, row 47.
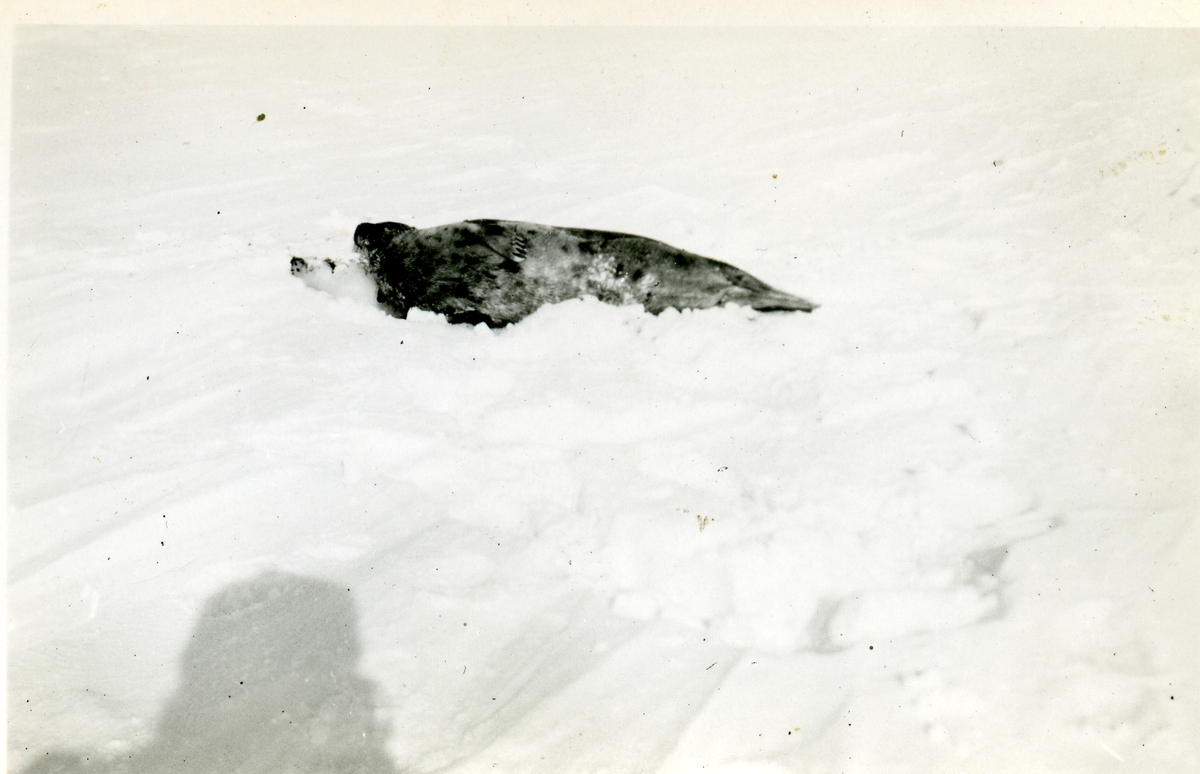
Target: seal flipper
column 503, row 238
column 472, row 317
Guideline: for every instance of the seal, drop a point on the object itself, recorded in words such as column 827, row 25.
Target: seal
column 344, row 279
column 499, row 272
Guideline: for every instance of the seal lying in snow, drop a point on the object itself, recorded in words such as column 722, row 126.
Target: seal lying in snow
column 498, row 272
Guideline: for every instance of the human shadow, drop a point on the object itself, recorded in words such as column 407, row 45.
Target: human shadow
column 268, row 683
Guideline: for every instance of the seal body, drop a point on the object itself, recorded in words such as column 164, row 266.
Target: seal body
column 498, row 272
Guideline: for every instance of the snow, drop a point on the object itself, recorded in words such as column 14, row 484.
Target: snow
column 947, row 522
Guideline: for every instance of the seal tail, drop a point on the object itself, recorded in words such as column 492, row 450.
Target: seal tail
column 750, row 291
column 778, row 301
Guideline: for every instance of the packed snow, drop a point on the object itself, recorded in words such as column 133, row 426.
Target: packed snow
column 947, row 522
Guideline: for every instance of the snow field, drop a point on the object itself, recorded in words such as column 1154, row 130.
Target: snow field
column 910, row 531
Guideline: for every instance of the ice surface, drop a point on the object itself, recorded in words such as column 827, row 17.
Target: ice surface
column 947, row 522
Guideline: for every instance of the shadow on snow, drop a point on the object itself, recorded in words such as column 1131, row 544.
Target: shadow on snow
column 268, row 683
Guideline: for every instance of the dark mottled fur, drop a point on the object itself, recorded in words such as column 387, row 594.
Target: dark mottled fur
column 498, row 272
